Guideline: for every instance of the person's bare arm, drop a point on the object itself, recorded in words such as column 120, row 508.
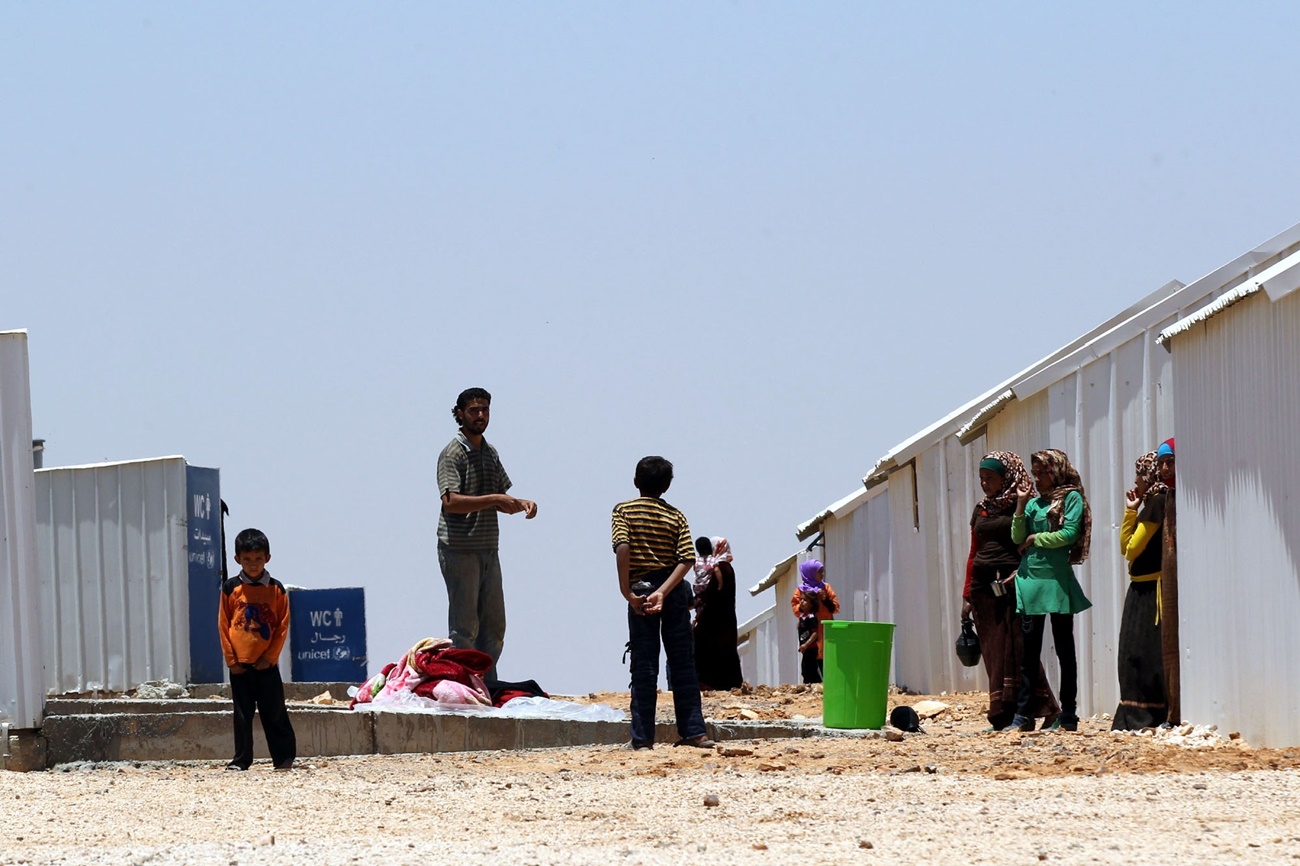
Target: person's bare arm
column 654, row 602
column 458, row 503
column 623, row 560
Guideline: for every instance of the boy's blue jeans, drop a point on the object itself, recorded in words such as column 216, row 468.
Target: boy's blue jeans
column 673, row 626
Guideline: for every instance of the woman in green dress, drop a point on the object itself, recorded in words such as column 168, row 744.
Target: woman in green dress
column 1053, row 531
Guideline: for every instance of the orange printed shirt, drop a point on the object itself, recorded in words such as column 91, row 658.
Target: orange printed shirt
column 253, row 621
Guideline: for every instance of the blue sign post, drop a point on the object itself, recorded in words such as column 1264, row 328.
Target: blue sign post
column 327, row 635
column 203, row 552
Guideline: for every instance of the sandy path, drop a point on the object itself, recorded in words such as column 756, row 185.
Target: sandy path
column 953, row 794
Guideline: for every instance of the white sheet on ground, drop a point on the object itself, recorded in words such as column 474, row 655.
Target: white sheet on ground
column 519, row 708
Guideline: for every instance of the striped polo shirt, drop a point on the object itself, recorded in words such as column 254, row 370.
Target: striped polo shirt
column 470, row 471
column 656, row 533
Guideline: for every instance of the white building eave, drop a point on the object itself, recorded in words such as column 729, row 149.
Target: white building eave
column 755, row 621
column 970, row 431
column 963, row 418
column 778, row 571
column 848, row 504
column 108, row 463
column 1165, row 301
column 1278, row 280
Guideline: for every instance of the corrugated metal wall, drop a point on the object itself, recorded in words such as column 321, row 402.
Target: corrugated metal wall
column 114, row 575
column 1238, row 411
column 22, row 691
column 759, row 654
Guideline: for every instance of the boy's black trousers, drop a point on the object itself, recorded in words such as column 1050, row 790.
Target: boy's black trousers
column 263, row 692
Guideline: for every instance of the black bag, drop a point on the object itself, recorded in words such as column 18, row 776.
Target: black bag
column 968, row 644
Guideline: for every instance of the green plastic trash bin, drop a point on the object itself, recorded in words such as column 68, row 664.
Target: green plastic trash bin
column 855, row 673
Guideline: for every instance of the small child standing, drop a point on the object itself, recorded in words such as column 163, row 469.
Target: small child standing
column 253, row 624
column 809, row 666
column 653, row 552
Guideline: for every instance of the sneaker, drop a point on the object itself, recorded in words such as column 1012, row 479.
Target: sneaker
column 1019, row 723
column 700, row 742
column 233, row 766
column 1068, row 722
column 635, row 746
column 285, row 767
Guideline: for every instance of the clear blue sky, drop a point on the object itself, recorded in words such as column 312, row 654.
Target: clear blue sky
column 766, row 240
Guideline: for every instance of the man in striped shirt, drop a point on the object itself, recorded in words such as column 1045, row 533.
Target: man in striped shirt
column 472, row 484
column 653, row 551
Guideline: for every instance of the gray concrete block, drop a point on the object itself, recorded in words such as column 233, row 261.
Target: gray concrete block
column 322, row 732
column 196, row 736
column 405, row 733
column 112, row 706
column 486, row 733
column 26, row 750
column 760, row 730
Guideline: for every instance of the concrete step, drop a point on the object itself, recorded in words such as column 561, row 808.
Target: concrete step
column 188, row 730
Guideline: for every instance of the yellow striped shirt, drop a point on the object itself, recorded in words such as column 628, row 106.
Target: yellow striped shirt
column 656, row 533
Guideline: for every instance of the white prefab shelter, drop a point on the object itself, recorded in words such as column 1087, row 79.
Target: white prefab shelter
column 1236, row 367
column 898, row 547
column 22, row 691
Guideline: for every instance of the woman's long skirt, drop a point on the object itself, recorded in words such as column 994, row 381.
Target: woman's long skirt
column 1001, row 645
column 1142, row 699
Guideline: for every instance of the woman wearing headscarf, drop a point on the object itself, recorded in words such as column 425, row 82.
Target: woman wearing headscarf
column 812, row 581
column 989, row 595
column 1053, row 531
column 717, row 661
column 1142, row 700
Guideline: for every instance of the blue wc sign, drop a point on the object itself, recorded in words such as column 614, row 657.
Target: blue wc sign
column 327, row 635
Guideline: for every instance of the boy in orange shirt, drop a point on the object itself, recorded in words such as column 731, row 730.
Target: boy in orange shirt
column 253, row 623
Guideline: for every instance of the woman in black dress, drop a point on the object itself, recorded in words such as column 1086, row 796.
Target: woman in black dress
column 717, row 663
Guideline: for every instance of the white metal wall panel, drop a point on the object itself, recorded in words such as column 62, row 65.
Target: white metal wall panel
column 858, row 556
column 22, row 692
column 114, row 574
column 757, row 649
column 1238, row 410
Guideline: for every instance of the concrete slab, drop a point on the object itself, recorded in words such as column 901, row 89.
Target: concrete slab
column 25, row 750
column 86, row 729
column 196, row 736
column 407, row 733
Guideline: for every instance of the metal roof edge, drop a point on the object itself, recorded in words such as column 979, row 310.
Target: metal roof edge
column 1118, row 330
column 756, row 620
column 1285, row 281
column 1278, row 279
column 775, row 574
column 1168, row 299
column 1209, row 311
column 13, row 333
column 108, row 463
column 984, row 416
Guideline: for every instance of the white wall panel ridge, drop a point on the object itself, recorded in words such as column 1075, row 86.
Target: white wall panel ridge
column 1237, row 404
column 1278, row 279
column 22, row 692
column 114, row 574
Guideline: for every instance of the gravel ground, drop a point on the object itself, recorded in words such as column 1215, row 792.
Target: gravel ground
column 953, row 795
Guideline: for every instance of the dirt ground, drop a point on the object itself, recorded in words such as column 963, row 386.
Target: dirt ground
column 952, row 794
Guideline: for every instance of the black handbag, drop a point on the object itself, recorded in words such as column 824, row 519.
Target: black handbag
column 968, row 644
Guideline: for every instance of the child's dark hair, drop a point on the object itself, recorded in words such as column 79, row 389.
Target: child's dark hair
column 704, row 546
column 654, row 475
column 813, row 601
column 252, row 540
column 462, row 400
